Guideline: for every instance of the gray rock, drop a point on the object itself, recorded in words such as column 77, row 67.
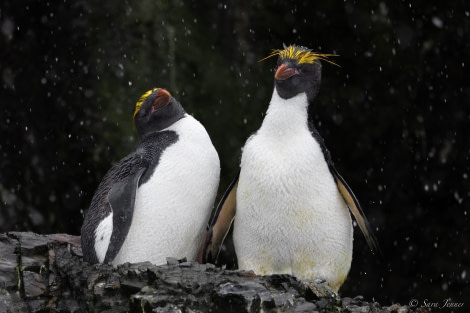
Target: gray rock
column 45, row 273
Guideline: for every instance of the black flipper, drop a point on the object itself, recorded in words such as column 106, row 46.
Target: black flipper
column 346, row 192
column 121, row 199
column 356, row 210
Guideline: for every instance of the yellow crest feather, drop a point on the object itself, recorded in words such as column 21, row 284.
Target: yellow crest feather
column 141, row 100
column 301, row 55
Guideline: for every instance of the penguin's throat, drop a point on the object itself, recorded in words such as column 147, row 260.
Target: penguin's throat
column 286, row 117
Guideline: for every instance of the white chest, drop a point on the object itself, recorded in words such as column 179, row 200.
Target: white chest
column 290, row 217
column 172, row 209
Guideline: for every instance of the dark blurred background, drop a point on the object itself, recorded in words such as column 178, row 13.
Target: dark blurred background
column 395, row 115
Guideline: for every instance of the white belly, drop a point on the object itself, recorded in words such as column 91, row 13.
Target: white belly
column 172, row 209
column 290, row 216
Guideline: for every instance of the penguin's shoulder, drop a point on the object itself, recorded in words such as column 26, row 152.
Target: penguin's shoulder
column 151, row 149
column 319, row 139
column 190, row 130
column 140, row 158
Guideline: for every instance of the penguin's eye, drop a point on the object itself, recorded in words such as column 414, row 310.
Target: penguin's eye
column 145, row 113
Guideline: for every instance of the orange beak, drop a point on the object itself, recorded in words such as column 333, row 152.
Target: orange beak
column 162, row 99
column 283, row 72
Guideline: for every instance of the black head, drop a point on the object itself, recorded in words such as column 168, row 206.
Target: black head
column 156, row 110
column 298, row 70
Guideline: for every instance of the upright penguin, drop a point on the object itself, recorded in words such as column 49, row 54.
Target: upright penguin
column 155, row 203
column 291, row 204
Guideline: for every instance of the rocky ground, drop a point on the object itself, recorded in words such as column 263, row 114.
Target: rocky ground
column 45, row 273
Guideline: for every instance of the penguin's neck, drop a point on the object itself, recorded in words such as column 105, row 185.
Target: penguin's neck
column 286, row 117
column 150, row 135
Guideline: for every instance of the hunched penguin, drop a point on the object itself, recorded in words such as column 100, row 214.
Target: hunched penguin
column 155, row 203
